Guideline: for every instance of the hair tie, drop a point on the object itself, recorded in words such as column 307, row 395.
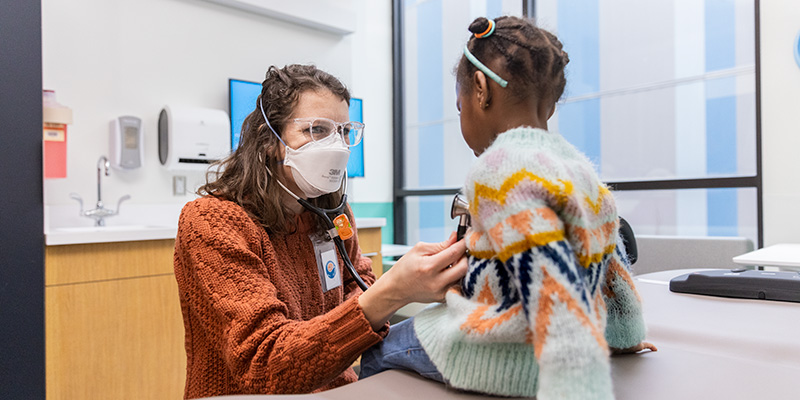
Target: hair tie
column 488, row 32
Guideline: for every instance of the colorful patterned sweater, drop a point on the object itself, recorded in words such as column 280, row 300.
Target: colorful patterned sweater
column 256, row 318
column 548, row 289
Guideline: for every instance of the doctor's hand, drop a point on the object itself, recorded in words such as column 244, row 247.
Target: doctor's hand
column 423, row 275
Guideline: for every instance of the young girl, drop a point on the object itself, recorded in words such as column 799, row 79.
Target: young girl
column 548, row 293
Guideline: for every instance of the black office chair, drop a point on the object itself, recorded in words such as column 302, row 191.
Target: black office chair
column 629, row 239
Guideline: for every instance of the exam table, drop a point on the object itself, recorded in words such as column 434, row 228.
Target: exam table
column 708, row 348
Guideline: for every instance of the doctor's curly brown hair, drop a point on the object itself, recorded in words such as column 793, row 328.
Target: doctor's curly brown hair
column 242, row 177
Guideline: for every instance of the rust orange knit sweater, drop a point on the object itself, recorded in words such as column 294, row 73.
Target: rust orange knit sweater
column 255, row 316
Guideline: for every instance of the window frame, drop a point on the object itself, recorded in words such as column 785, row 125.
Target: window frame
column 400, row 193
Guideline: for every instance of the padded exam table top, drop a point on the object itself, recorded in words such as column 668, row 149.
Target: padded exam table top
column 708, row 348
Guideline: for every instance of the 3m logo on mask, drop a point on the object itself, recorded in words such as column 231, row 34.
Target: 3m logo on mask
column 334, row 172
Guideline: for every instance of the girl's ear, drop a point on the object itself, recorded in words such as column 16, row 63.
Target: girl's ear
column 482, row 90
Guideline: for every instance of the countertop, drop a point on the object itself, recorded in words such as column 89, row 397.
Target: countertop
column 63, row 226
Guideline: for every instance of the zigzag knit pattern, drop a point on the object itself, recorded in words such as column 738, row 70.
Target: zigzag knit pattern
column 548, row 289
column 256, row 318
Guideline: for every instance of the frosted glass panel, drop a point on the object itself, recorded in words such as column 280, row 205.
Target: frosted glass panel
column 428, row 218
column 658, row 89
column 691, row 212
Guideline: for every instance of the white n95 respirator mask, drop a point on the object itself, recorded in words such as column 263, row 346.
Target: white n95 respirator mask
column 318, row 167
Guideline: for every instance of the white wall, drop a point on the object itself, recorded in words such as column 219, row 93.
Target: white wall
column 106, row 58
column 372, row 81
column 780, row 121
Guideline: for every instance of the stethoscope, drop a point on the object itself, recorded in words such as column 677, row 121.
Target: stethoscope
column 324, row 214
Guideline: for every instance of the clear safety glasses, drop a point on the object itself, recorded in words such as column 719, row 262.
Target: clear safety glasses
column 320, row 128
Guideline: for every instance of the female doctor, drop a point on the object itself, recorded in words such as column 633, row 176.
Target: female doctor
column 268, row 305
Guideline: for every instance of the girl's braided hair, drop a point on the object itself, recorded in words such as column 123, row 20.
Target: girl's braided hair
column 534, row 58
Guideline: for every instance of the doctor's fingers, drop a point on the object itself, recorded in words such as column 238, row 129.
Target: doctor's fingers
column 457, row 271
column 450, row 255
column 449, row 278
column 435, row 248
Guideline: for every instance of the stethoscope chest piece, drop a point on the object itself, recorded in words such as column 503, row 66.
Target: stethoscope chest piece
column 460, row 209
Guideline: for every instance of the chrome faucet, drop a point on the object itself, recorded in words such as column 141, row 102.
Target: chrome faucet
column 99, row 213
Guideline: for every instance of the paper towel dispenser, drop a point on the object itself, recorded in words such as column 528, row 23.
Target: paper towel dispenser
column 191, row 138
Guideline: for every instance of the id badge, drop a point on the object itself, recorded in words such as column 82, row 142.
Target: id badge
column 330, row 275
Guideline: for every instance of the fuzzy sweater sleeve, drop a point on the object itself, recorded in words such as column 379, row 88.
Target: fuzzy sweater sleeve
column 625, row 324
column 227, row 291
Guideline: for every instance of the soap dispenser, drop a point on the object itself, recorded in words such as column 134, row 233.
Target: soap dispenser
column 126, row 142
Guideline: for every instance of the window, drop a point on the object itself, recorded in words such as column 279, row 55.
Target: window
column 661, row 95
column 430, row 36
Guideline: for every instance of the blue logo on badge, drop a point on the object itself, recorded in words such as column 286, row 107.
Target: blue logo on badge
column 330, row 269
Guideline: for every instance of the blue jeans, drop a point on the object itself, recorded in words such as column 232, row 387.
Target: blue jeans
column 399, row 350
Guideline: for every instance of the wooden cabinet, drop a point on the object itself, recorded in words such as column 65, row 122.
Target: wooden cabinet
column 369, row 239
column 113, row 323
column 113, row 327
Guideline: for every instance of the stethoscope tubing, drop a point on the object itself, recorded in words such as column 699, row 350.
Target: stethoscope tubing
column 323, row 213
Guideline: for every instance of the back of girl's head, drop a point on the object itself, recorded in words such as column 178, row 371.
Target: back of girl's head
column 532, row 59
column 241, row 177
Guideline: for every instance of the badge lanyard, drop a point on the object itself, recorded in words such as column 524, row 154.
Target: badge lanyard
column 339, row 232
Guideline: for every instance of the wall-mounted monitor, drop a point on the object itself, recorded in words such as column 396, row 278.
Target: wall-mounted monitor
column 355, row 165
column 242, row 101
column 242, row 97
